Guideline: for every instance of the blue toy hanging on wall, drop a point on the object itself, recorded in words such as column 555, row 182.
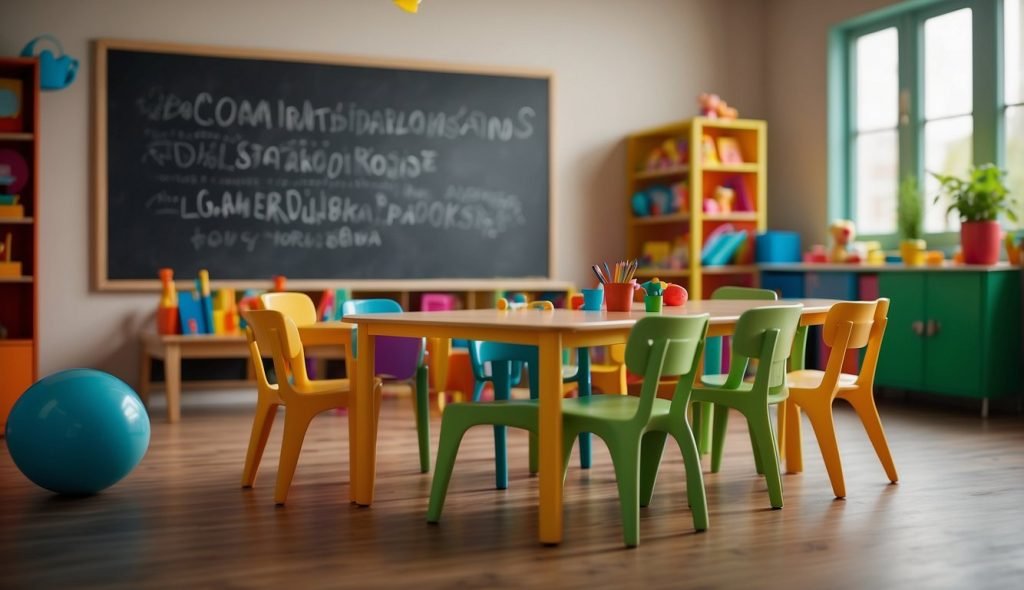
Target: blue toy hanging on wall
column 55, row 72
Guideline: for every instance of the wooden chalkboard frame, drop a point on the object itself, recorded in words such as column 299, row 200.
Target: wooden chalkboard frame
column 102, row 281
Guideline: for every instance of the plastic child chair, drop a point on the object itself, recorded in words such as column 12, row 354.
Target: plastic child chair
column 272, row 332
column 506, row 363
column 610, row 377
column 634, row 428
column 764, row 334
column 297, row 307
column 703, row 414
column 399, row 360
column 848, row 326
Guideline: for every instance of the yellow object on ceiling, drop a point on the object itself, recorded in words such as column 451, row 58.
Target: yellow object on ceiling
column 412, row 6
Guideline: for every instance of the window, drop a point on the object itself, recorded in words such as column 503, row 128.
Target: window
column 913, row 92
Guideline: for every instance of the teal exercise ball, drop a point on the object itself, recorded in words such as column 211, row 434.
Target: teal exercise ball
column 78, row 432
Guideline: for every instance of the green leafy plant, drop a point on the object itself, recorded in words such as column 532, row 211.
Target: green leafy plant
column 908, row 209
column 982, row 196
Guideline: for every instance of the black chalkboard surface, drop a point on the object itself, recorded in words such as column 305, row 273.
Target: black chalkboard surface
column 253, row 165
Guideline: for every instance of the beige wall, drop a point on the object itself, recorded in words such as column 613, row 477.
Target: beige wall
column 795, row 98
column 619, row 66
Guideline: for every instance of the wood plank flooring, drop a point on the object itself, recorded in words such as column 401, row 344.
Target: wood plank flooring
column 180, row 520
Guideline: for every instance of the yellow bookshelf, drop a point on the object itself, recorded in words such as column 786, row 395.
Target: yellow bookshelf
column 700, row 176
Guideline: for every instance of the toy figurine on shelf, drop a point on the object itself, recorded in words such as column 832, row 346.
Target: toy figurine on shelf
column 713, row 107
column 8, row 267
column 167, row 320
column 842, row 232
column 725, row 197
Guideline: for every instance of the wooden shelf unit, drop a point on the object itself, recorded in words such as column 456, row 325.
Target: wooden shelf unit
column 701, row 180
column 19, row 297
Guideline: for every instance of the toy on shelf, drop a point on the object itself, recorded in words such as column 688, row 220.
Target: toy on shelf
column 1013, row 250
column 817, row 253
column 167, row 320
column 11, row 113
column 250, row 300
column 656, row 254
column 55, row 71
column 679, row 257
column 724, row 198
column 661, row 200
column 520, row 303
column 842, row 232
column 708, row 152
column 225, row 312
column 934, row 258
column 671, row 153
column 8, row 267
column 729, row 150
column 279, row 283
column 713, row 107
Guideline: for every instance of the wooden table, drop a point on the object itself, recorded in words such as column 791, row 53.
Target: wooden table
column 551, row 332
column 321, row 340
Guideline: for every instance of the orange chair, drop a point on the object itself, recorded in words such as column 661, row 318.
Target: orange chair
column 271, row 331
column 849, row 326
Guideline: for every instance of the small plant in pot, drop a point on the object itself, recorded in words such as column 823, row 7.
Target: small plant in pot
column 908, row 219
column 978, row 200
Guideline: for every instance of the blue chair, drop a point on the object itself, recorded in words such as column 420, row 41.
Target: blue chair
column 399, row 360
column 506, row 368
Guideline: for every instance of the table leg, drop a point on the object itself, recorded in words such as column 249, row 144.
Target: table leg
column 172, row 381
column 364, row 470
column 144, row 375
column 583, row 390
column 550, row 438
column 439, row 364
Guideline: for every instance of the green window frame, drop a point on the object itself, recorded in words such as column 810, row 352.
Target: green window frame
column 988, row 109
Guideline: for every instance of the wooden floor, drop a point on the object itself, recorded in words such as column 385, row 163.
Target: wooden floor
column 180, row 520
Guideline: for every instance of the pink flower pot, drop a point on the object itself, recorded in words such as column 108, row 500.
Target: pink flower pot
column 980, row 241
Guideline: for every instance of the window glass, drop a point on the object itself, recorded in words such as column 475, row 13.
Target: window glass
column 877, row 80
column 947, row 65
column 947, row 150
column 877, row 169
column 1013, row 29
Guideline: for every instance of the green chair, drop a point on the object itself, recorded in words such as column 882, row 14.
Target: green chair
column 703, row 416
column 634, row 428
column 764, row 334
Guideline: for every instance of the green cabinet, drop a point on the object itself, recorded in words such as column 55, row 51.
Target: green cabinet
column 955, row 332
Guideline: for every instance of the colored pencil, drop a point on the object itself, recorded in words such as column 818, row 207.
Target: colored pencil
column 597, row 273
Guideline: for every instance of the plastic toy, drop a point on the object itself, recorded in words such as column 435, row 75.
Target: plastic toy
column 78, row 432
column 817, row 253
column 675, row 295
column 167, row 321
column 279, row 283
column 505, row 304
column 725, row 197
column 713, row 107
column 8, row 267
column 842, row 232
column 654, row 286
column 55, row 72
column 641, row 206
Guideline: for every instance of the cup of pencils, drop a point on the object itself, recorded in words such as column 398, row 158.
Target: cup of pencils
column 618, row 283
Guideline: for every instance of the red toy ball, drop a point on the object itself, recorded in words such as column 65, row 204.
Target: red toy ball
column 675, row 295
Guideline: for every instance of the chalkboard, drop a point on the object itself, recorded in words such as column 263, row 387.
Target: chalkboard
column 253, row 164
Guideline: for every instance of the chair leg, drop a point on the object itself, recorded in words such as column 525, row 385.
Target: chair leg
column 864, row 403
column 423, row 416
column 825, row 431
column 452, row 430
column 295, row 425
column 651, row 447
column 794, row 438
column 533, row 455
column 695, row 493
column 585, row 385
column 502, row 392
column 568, row 440
column 721, row 424
column 626, row 460
column 760, row 426
column 757, row 452
column 478, row 390
column 261, row 425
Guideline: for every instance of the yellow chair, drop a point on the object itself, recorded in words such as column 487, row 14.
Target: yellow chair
column 849, row 326
column 297, row 307
column 271, row 331
column 610, row 377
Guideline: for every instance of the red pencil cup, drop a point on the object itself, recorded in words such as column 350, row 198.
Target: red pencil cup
column 618, row 296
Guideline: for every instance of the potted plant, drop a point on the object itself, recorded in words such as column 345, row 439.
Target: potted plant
column 978, row 200
column 908, row 220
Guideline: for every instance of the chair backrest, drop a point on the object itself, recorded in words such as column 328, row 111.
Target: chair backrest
column 848, row 326
column 617, row 354
column 394, row 357
column 867, row 368
column 263, row 384
column 665, row 346
column 730, row 292
column 765, row 334
column 275, row 333
column 297, row 307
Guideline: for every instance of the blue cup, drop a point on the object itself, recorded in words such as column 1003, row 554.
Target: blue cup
column 592, row 299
